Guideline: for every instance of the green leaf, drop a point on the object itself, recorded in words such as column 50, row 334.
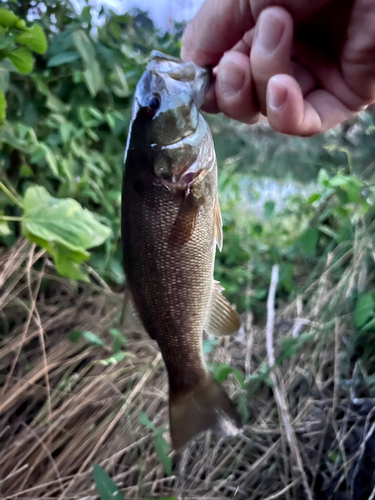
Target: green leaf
column 22, row 59
column 309, row 240
column 364, row 310
column 34, row 38
column 84, row 46
column 93, row 78
column 68, row 262
column 144, row 420
column 105, row 486
column 314, row 197
column 50, row 159
column 7, row 18
column 162, row 450
column 239, row 376
column 75, row 336
column 3, row 107
column 4, row 77
column 4, row 228
column 93, row 338
column 117, row 344
column 64, row 58
column 62, row 221
column 269, row 208
column 221, row 372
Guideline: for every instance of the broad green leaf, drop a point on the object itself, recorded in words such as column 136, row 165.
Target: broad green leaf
column 369, row 326
column 7, row 18
column 105, row 486
column 3, row 107
column 51, row 159
column 4, row 77
column 364, row 310
column 84, row 46
column 162, row 450
column 22, row 59
column 4, row 228
column 221, row 372
column 314, row 197
column 68, row 262
column 93, row 78
column 269, row 208
column 34, row 38
column 309, row 240
column 121, row 88
column 61, row 221
column 64, row 58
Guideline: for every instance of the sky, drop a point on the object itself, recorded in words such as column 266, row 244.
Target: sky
column 162, row 12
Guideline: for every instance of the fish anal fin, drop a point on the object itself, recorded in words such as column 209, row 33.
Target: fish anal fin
column 132, row 321
column 218, row 225
column 205, row 407
column 221, row 319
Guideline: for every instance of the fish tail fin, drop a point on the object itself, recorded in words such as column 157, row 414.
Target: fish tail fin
column 206, row 406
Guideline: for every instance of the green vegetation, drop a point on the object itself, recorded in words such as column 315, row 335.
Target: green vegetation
column 76, row 389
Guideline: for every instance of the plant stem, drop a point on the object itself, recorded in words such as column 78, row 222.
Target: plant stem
column 11, row 195
column 10, row 218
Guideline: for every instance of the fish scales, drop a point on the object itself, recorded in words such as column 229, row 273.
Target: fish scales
column 170, row 226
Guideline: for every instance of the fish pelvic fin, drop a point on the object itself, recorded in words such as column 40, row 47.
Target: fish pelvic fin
column 205, row 407
column 221, row 318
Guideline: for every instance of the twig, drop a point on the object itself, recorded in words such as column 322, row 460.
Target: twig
column 271, row 315
column 11, row 195
column 279, row 396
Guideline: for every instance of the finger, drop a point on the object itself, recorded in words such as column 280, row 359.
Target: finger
column 244, row 45
column 271, row 49
column 234, row 91
column 358, row 55
column 220, row 24
column 289, row 113
column 305, row 79
column 216, row 28
column 210, row 104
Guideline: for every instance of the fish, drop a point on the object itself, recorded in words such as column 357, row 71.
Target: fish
column 171, row 224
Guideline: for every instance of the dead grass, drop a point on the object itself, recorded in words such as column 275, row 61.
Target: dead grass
column 311, row 435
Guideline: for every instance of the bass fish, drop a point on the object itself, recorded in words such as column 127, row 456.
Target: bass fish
column 171, row 224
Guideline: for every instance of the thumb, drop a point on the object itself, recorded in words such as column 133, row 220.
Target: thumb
column 216, row 28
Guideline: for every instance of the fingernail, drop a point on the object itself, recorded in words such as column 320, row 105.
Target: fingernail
column 277, row 95
column 231, row 78
column 270, row 31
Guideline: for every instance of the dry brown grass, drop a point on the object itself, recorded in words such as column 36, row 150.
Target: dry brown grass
column 62, row 410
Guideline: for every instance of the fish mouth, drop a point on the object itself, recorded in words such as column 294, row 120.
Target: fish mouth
column 182, row 71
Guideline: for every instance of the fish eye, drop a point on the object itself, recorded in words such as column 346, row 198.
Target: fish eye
column 153, row 105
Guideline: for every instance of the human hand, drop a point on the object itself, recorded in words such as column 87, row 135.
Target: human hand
column 307, row 65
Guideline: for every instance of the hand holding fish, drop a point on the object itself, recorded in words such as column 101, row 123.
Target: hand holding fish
column 307, row 65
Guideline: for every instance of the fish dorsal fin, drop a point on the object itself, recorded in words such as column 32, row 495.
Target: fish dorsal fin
column 218, row 225
column 221, row 319
column 132, row 322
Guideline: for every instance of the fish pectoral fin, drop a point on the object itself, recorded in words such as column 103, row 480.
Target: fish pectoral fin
column 206, row 406
column 222, row 319
column 132, row 322
column 218, row 225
